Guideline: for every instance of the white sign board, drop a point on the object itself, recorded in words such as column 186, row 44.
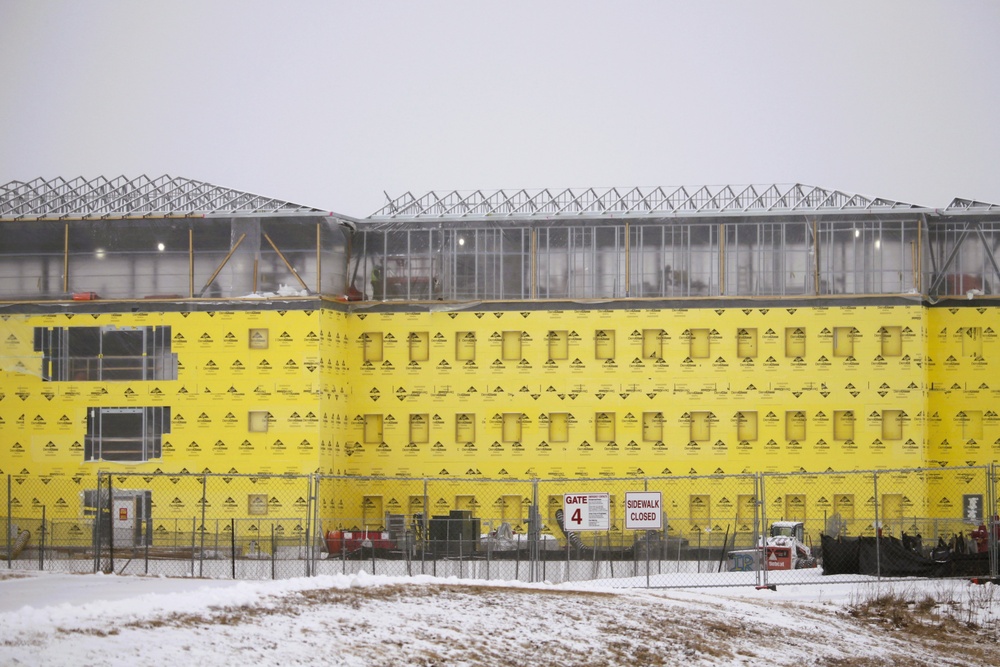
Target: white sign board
column 587, row 511
column 643, row 510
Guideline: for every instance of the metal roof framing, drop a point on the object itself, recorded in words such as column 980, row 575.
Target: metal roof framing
column 634, row 202
column 959, row 206
column 169, row 197
column 142, row 197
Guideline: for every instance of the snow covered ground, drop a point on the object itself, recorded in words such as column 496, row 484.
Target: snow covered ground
column 359, row 619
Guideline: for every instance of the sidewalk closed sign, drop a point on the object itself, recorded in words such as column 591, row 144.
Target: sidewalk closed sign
column 587, row 511
column 643, row 510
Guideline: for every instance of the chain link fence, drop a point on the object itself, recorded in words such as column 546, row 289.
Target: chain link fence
column 720, row 530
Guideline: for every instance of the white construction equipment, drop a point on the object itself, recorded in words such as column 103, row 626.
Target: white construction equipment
column 786, row 548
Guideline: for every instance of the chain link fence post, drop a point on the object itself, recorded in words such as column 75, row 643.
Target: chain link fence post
column 41, row 543
column 534, row 530
column 314, row 552
column 9, row 526
column 111, row 525
column 760, row 532
column 202, row 528
column 878, row 529
column 993, row 521
column 424, row 523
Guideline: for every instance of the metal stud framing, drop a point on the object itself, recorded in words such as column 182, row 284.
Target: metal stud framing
column 657, row 201
column 141, row 197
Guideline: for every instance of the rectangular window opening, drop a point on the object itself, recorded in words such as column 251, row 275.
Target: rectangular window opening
column 604, row 427
column 843, row 505
column 700, row 509
column 604, row 344
column 843, row 342
column 126, row 434
column 373, row 429
column 795, row 342
column 511, row 346
column 419, row 428
column 892, row 341
column 372, row 343
column 558, row 345
column 843, row 425
column 652, row 343
column 511, row 510
column 795, row 507
column 700, row 345
column 892, row 424
column 110, row 354
column 746, row 426
column 257, row 421
column 652, row 426
column 372, row 516
column 465, row 427
column 972, row 424
column 258, row 339
column 558, row 427
column 701, row 426
column 511, row 427
column 746, row 343
column 972, row 342
column 419, row 344
column 795, row 425
column 465, row 346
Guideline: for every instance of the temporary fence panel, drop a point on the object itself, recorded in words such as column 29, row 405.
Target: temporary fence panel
column 715, row 530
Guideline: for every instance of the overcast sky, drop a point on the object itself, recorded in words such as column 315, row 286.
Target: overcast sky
column 329, row 104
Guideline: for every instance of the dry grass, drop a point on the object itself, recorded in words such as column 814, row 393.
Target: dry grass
column 963, row 623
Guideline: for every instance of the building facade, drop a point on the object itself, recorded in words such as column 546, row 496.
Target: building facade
column 170, row 326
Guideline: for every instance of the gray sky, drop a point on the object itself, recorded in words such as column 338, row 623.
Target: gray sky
column 329, row 103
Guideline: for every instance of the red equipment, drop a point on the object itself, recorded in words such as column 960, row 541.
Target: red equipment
column 349, row 541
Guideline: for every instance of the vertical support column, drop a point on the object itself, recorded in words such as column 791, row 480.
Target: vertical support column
column 190, row 263
column 722, row 260
column 533, row 532
column 41, row 543
column 201, row 528
column 918, row 263
column 66, row 259
column 533, row 264
column 878, row 529
column 111, row 523
column 815, row 240
column 9, row 523
column 95, row 529
column 423, row 528
column 319, row 260
column 993, row 521
column 628, row 259
column 761, row 530
column 317, row 528
column 232, row 545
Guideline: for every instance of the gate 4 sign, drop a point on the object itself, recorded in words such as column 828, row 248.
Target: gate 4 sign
column 587, row 511
column 643, row 510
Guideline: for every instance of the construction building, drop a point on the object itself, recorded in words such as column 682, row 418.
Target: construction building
column 171, row 326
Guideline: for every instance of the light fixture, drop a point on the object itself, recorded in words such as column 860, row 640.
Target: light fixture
column 161, row 247
column 99, row 253
column 857, row 233
column 878, row 244
column 461, row 241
